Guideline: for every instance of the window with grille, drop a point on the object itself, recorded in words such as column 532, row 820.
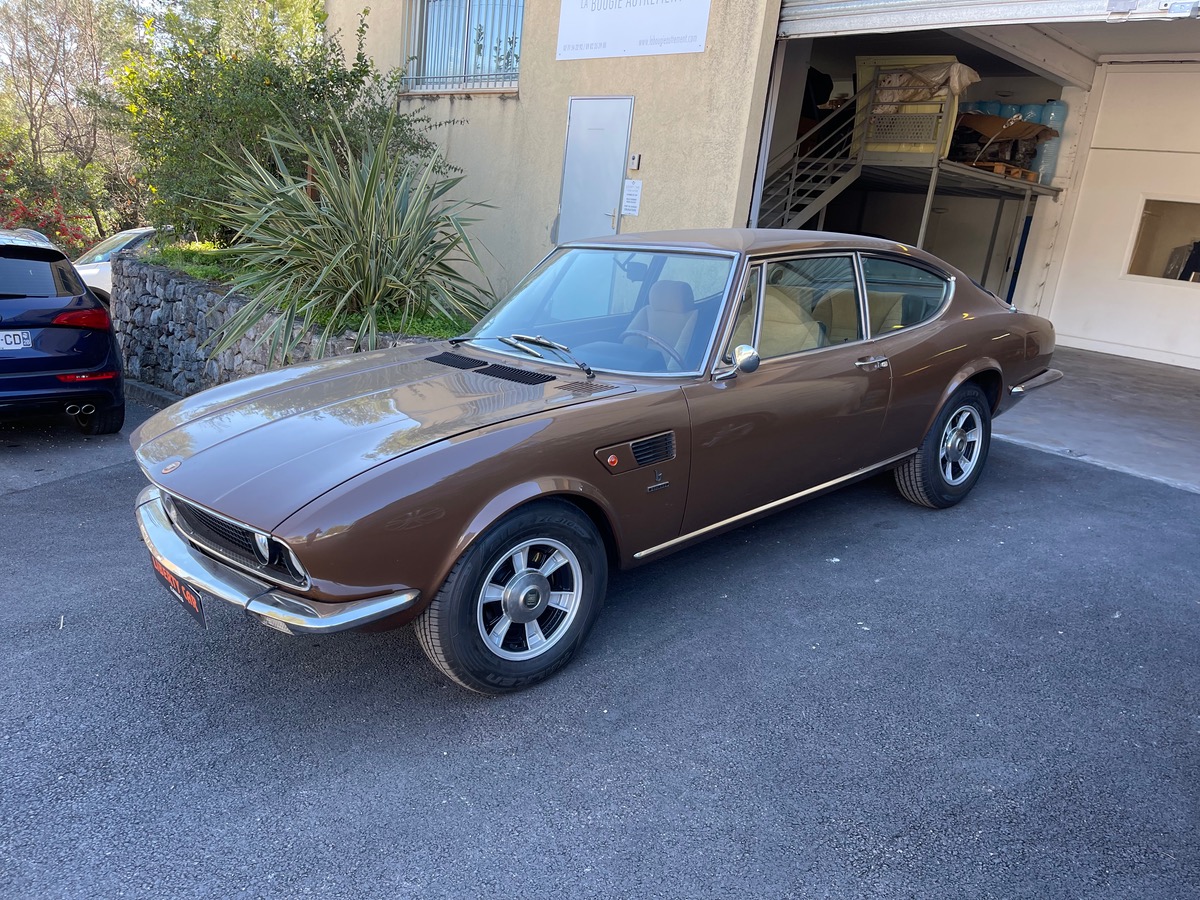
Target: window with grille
column 463, row 44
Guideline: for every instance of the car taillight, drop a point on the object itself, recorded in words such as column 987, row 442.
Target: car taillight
column 84, row 318
column 86, row 376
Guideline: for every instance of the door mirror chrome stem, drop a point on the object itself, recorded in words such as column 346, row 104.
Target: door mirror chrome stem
column 745, row 359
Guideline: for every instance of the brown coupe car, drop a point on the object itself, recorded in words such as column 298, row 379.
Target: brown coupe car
column 633, row 395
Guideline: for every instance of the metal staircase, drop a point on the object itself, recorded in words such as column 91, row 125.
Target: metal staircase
column 805, row 177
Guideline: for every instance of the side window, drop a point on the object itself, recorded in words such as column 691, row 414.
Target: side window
column 808, row 302
column 743, row 322
column 900, row 295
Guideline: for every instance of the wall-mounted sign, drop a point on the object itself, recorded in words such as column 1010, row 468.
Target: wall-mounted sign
column 631, row 197
column 599, row 29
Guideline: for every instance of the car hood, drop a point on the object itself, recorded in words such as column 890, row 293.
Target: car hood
column 260, row 448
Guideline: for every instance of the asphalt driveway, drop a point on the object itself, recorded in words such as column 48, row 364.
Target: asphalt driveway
column 857, row 698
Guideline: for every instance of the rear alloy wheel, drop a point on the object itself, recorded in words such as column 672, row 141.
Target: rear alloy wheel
column 102, row 421
column 519, row 602
column 950, row 459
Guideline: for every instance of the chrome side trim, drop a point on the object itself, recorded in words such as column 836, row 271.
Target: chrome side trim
column 1032, row 384
column 774, row 504
column 279, row 610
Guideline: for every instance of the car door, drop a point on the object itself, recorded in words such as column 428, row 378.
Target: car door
column 813, row 410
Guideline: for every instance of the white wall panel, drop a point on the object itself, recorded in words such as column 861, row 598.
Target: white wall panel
column 1150, row 108
column 1097, row 305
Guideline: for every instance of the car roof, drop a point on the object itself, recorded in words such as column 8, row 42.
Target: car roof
column 25, row 238
column 758, row 242
column 745, row 240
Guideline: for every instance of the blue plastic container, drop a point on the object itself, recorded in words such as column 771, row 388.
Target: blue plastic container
column 1008, row 110
column 1032, row 112
column 990, row 107
column 1054, row 115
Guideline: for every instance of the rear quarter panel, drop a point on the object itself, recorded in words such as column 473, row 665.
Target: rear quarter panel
column 974, row 337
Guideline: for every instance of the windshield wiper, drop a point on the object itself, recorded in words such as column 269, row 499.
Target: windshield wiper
column 513, row 341
column 561, row 349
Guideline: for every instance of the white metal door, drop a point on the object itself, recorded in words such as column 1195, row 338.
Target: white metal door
column 594, row 167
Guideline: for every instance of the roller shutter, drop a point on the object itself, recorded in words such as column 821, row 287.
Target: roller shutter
column 817, row 18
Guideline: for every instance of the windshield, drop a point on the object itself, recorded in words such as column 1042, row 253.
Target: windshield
column 646, row 311
column 104, row 250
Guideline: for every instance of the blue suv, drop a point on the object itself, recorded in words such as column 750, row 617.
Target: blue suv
column 58, row 352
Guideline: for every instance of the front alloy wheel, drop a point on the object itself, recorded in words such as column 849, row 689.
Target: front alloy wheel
column 519, row 602
column 529, row 599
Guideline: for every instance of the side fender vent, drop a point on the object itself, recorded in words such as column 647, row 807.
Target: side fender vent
column 456, row 361
column 586, row 387
column 654, row 449
column 511, row 373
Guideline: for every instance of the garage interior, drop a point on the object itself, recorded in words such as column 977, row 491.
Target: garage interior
column 974, row 218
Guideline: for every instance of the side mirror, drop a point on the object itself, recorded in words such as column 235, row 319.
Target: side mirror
column 746, row 358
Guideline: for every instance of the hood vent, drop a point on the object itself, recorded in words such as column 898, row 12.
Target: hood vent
column 653, row 449
column 456, row 361
column 511, row 373
column 586, row 387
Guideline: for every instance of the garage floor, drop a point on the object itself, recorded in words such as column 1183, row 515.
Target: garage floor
column 1132, row 416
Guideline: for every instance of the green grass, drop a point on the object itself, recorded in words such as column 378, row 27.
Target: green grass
column 429, row 325
column 194, row 258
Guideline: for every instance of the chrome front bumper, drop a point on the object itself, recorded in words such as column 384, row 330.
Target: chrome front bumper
column 269, row 605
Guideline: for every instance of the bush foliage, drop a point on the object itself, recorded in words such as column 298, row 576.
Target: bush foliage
column 331, row 234
column 198, row 90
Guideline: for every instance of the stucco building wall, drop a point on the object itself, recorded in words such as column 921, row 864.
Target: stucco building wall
column 697, row 121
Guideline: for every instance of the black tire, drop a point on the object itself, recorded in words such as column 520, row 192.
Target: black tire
column 102, row 421
column 559, row 589
column 951, row 457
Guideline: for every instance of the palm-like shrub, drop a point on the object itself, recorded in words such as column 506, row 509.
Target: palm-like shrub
column 359, row 237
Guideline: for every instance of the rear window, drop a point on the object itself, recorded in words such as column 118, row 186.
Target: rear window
column 27, row 272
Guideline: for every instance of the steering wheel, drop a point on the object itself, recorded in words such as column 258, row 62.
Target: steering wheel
column 657, row 342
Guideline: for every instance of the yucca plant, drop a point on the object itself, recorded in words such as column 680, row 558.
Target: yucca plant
column 357, row 237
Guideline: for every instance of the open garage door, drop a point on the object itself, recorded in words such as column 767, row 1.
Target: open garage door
column 1113, row 257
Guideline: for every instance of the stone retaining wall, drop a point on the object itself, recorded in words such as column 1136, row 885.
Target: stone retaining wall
column 164, row 318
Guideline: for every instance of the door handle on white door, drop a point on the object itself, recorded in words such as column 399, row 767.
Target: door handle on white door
column 872, row 362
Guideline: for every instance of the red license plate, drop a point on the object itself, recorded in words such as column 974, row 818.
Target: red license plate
column 188, row 596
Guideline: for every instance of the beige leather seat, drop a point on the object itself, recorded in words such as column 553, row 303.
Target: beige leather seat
column 838, row 312
column 886, row 309
column 786, row 327
column 670, row 315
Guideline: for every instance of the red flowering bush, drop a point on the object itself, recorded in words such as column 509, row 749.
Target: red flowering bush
column 44, row 214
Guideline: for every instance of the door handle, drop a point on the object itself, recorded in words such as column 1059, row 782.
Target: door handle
column 612, row 218
column 872, row 362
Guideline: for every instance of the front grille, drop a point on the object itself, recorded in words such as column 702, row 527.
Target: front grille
column 511, row 373
column 656, row 448
column 228, row 540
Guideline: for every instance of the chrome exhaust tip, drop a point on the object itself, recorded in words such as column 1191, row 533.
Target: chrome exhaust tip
column 87, row 409
column 72, row 409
